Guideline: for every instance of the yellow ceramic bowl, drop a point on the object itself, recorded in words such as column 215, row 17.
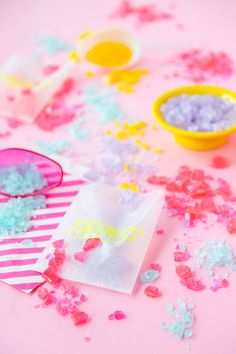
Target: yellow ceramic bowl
column 195, row 140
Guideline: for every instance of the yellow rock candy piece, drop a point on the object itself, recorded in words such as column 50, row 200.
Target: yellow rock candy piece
column 132, row 186
column 74, row 56
column 90, row 74
column 128, row 169
column 154, row 128
column 157, row 151
column 125, row 88
column 121, row 135
column 84, row 34
column 125, row 78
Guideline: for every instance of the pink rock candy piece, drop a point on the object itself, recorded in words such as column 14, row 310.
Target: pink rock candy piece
column 83, row 298
column 231, row 226
column 152, row 291
column 220, row 162
column 181, row 256
column 156, row 266
column 81, row 256
column 42, row 293
column 193, row 284
column 79, row 317
column 58, row 244
column 59, row 253
column 117, row 315
column 46, row 296
column 92, row 243
column 62, row 310
column 219, row 284
column 50, row 276
column 183, row 271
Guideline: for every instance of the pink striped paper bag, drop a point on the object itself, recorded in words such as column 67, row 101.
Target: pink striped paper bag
column 20, row 253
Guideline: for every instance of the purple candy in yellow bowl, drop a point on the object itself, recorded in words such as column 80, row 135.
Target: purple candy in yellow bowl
column 200, row 117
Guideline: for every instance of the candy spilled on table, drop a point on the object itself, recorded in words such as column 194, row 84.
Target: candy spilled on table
column 195, row 197
column 199, row 65
column 183, row 320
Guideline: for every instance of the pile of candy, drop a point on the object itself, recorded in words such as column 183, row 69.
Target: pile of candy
column 188, row 278
column 103, row 102
column 199, row 113
column 142, row 13
column 200, row 65
column 64, row 294
column 195, row 197
column 215, row 253
column 16, row 214
column 21, row 179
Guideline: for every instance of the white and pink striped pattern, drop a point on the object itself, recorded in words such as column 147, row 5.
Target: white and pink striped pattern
column 18, row 260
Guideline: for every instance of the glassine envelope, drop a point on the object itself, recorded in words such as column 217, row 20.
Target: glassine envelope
column 97, row 212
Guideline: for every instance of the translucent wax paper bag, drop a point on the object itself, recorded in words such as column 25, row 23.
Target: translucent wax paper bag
column 24, row 91
column 100, row 212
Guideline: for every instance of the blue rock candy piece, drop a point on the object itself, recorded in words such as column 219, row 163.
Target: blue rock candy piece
column 53, row 44
column 149, row 276
column 59, row 147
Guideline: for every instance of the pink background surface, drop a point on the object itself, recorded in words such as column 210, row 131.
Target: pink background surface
column 26, row 330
